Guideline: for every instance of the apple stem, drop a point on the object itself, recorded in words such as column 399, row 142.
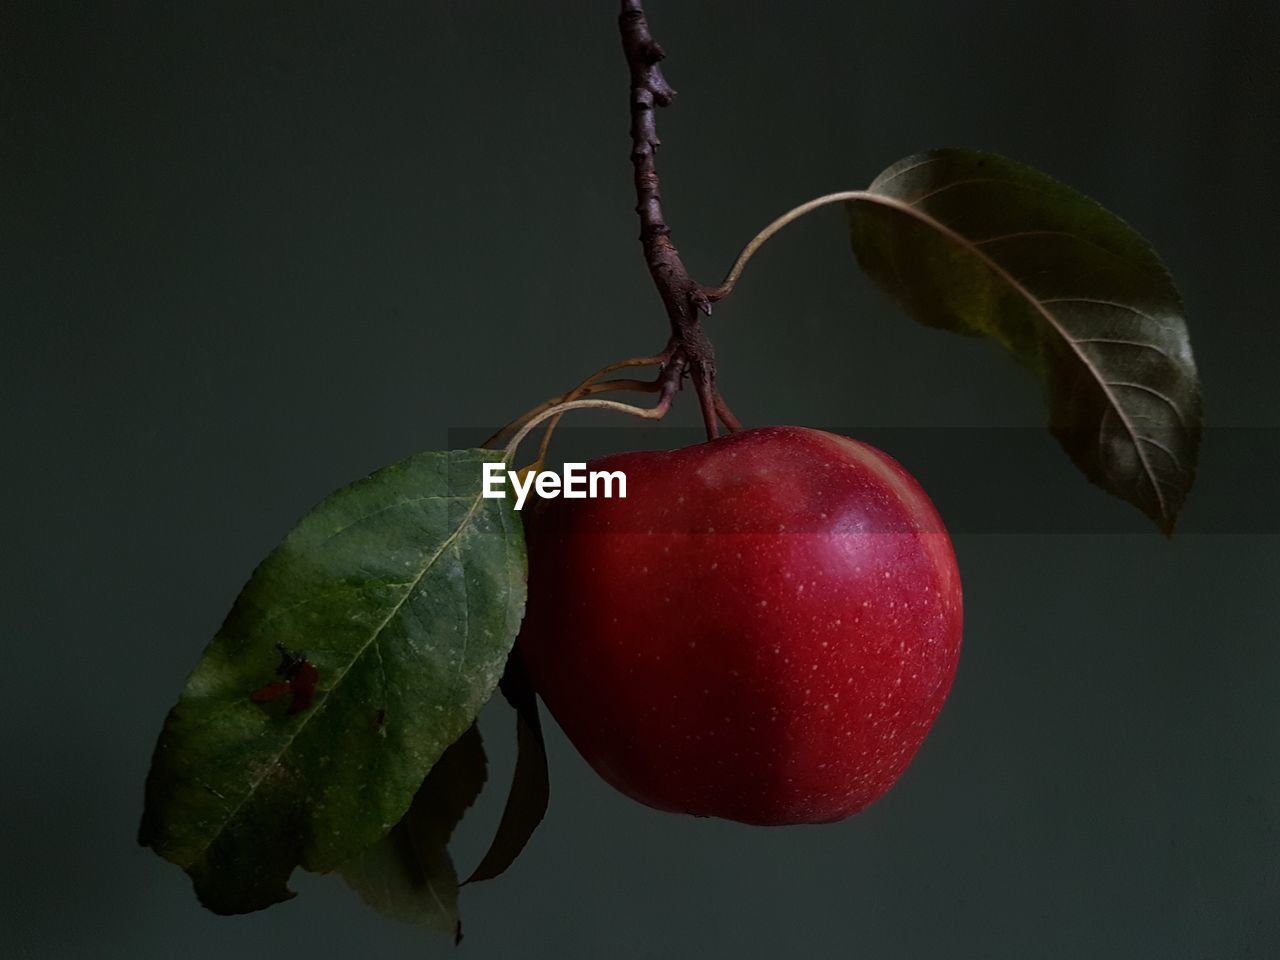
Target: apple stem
column 726, row 415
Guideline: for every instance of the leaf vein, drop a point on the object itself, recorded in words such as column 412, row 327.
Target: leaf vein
column 1034, row 233
column 1110, row 303
column 1154, row 392
column 1177, row 464
column 373, row 513
column 1127, row 343
column 905, row 170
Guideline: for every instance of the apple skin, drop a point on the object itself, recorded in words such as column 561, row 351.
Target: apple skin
column 763, row 630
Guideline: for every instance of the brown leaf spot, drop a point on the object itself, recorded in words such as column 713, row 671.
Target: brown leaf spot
column 303, row 686
column 299, row 678
column 270, row 691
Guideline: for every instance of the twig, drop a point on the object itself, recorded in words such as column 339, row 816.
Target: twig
column 681, row 295
column 688, row 351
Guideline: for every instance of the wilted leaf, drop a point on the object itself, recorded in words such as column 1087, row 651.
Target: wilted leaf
column 530, row 785
column 404, row 591
column 408, row 874
column 977, row 244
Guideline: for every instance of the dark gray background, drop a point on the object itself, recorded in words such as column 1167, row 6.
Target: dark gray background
column 252, row 251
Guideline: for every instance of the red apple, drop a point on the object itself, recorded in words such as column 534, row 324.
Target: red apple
column 763, row 630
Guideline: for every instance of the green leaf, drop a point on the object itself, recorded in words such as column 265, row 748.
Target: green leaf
column 530, row 784
column 404, row 591
column 408, row 874
column 977, row 244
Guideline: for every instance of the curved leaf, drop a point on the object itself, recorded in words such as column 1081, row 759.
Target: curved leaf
column 530, row 784
column 408, row 874
column 404, row 593
column 977, row 244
